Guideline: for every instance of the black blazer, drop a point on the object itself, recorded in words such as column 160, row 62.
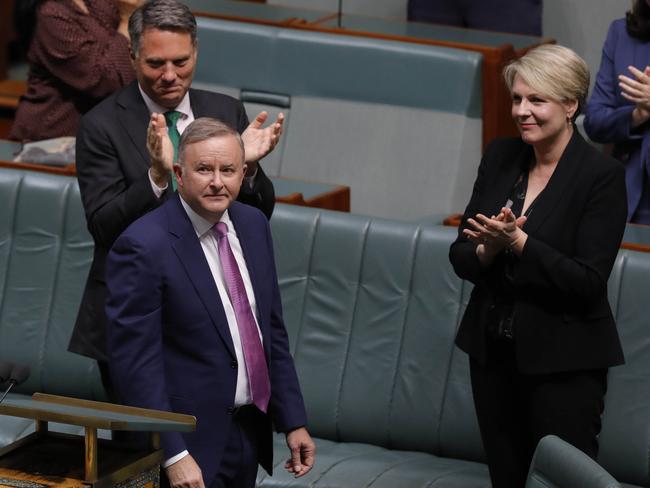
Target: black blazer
column 112, row 169
column 563, row 321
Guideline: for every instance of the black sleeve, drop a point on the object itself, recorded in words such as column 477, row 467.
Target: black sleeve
column 110, row 202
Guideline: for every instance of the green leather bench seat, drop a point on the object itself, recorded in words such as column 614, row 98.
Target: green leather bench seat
column 400, row 123
column 45, row 254
column 371, row 307
column 364, row 465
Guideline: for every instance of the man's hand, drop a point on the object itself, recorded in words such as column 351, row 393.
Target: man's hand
column 259, row 141
column 185, row 473
column 303, row 452
column 161, row 149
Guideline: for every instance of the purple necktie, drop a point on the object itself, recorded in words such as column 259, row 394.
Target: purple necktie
column 258, row 374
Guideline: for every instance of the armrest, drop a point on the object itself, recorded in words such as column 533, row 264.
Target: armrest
column 558, row 464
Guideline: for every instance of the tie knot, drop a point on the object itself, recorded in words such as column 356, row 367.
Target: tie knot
column 221, row 229
column 171, row 117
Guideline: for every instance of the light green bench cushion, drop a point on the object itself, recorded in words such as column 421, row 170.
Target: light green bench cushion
column 363, row 465
column 45, row 254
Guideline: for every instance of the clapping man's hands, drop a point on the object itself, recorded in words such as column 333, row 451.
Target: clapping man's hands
column 259, row 140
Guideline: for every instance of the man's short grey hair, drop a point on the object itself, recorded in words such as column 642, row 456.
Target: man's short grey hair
column 166, row 15
column 205, row 128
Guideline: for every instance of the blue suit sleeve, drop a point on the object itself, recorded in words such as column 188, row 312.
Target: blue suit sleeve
column 134, row 311
column 608, row 117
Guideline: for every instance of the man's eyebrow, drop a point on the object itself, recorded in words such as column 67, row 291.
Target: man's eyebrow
column 154, row 59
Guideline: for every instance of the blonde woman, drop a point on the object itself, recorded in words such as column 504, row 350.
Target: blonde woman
column 538, row 240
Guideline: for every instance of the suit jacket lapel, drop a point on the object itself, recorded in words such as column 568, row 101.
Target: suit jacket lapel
column 134, row 118
column 247, row 237
column 188, row 249
column 558, row 184
column 510, row 168
column 199, row 109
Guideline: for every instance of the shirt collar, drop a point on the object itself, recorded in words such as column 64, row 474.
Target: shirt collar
column 184, row 107
column 201, row 225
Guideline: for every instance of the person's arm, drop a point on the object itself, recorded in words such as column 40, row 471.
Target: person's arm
column 111, row 204
column 89, row 59
column 636, row 89
column 464, row 253
column 185, row 473
column 607, row 120
column 261, row 193
column 582, row 276
column 286, row 405
column 135, row 337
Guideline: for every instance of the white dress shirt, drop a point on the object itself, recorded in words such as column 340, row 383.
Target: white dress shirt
column 210, row 248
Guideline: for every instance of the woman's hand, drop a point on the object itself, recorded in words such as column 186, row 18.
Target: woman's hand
column 494, row 234
column 637, row 90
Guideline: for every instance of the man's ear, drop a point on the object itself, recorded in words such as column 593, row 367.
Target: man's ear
column 178, row 174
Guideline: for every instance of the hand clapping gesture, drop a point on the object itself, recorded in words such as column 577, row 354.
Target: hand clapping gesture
column 637, row 90
column 259, row 141
column 494, row 234
column 161, row 149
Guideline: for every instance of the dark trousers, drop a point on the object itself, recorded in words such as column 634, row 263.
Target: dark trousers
column 238, row 468
column 517, row 16
column 516, row 410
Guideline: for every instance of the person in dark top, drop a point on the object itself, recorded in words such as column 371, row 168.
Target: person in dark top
column 516, row 16
column 78, row 54
column 619, row 108
column 538, row 240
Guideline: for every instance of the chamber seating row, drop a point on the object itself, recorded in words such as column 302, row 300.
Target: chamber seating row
column 399, row 123
column 371, row 307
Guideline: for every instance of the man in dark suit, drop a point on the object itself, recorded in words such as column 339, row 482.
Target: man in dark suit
column 195, row 320
column 119, row 181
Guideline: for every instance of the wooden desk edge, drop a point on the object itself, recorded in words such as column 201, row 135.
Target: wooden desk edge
column 112, row 407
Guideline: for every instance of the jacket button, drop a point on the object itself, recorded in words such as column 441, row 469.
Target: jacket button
column 233, row 364
column 230, row 410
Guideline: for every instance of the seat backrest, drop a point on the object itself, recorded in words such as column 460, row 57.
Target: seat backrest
column 557, row 464
column 45, row 255
column 625, row 435
column 372, row 307
column 400, row 123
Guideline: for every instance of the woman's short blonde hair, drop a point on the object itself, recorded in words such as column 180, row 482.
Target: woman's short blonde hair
column 554, row 71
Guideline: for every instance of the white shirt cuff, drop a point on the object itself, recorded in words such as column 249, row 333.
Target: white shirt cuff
column 175, row 459
column 158, row 191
